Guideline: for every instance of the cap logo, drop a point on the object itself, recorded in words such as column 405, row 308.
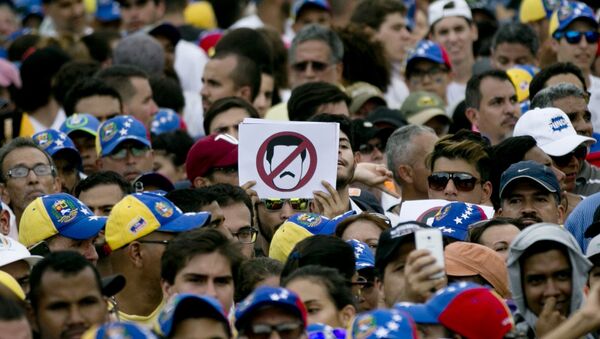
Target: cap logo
column 425, row 101
column 43, row 140
column 76, row 121
column 137, row 225
column 366, row 326
column 163, row 209
column 230, row 139
column 108, row 131
column 402, row 230
column 309, row 220
column 442, row 212
column 558, row 123
column 564, row 12
column 4, row 242
column 64, row 211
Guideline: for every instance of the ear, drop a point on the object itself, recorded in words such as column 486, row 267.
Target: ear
column 405, row 172
column 498, row 212
column 487, row 192
column 57, row 186
column 4, row 222
column 200, row 182
column 554, row 44
column 166, row 288
column 134, row 254
column 473, row 115
column 474, row 31
column 561, row 213
column 99, row 163
column 4, row 194
column 357, row 157
column 346, row 315
column 245, row 92
column 339, row 68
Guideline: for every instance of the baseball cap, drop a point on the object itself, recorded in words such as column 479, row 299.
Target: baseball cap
column 217, row 150
column 323, row 331
column 384, row 323
column 53, row 141
column 551, row 129
column 140, row 214
column 521, row 76
column 468, row 259
column 81, row 122
column 363, row 254
column 108, row 10
column 568, row 12
column 12, row 285
column 299, row 227
column 594, row 228
column 419, row 107
column 58, row 213
column 121, row 128
column 445, row 8
column 384, row 117
column 269, row 296
column 455, row 218
column 152, row 179
column 489, row 317
column 392, row 238
column 187, row 305
column 118, row 330
column 165, row 120
column 429, row 51
column 534, row 10
column 361, row 92
column 12, row 251
column 300, row 4
column 200, row 14
column 112, row 284
column 531, row 170
column 168, row 31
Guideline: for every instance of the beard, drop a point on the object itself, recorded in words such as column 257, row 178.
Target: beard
column 344, row 179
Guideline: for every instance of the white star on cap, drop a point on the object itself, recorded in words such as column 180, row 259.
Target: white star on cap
column 393, row 326
column 457, row 220
column 94, row 218
column 127, row 124
column 382, row 333
column 447, row 230
column 123, row 131
column 84, row 211
column 59, row 143
column 397, row 317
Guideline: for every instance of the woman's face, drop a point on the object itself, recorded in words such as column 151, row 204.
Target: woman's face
column 499, row 238
column 363, row 230
column 319, row 305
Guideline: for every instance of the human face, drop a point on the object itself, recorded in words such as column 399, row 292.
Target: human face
column 264, row 99
column 373, row 152
column 570, row 168
column 547, row 275
column 20, row 271
column 84, row 247
column 131, row 166
column 217, row 217
column 346, row 162
column 67, row 172
column 508, row 55
column 8, row 21
column 338, row 108
column 536, row 154
column 141, row 105
column 139, row 13
column 582, row 54
column 429, row 76
column 151, row 254
column 103, row 107
column 394, row 279
column 291, row 175
column 395, row 36
column 269, row 220
column 365, row 231
column 69, row 304
column 86, row 145
column 273, row 316
column 578, row 112
column 320, row 307
column 312, row 15
column 101, row 198
column 205, row 274
column 68, row 16
column 499, row 238
column 457, row 37
column 15, row 329
column 498, row 110
column 237, row 216
column 217, row 82
column 307, row 54
column 200, row 328
column 22, row 191
column 478, row 195
column 228, row 121
column 530, row 203
column 163, row 164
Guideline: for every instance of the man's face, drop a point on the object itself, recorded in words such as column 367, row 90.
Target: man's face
column 536, row 154
column 103, row 107
column 372, row 152
column 217, row 82
column 429, row 76
column 508, row 55
column 67, row 171
column 457, row 37
column 101, row 199
column 547, row 275
column 570, row 164
column 163, row 164
column 312, row 16
column 151, row 254
column 205, row 274
column 202, row 328
column 338, row 108
column 22, row 191
column 69, row 304
column 20, row 271
column 290, row 176
column 424, row 144
column 139, row 13
column 530, row 203
column 129, row 159
column 498, row 110
column 84, row 247
column 578, row 112
column 15, row 329
column 68, row 16
column 582, row 54
column 141, row 105
column 478, row 195
column 238, row 218
column 264, row 99
column 269, row 220
column 86, row 145
column 346, row 163
column 394, row 281
column 395, row 36
column 273, row 316
column 228, row 121
column 312, row 62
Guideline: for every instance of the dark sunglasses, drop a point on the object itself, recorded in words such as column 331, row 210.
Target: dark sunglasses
column 368, row 148
column 580, row 152
column 462, row 181
column 574, row 37
column 317, row 66
column 298, row 204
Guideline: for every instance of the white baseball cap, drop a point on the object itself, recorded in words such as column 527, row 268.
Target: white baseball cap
column 444, row 8
column 551, row 129
column 12, row 251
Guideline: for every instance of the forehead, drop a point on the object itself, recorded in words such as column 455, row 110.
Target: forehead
column 570, row 103
column 513, row 48
column 444, row 164
column 450, row 23
column 554, row 255
column 492, row 87
column 25, row 155
column 313, row 50
column 525, row 187
column 564, row 77
column 59, row 285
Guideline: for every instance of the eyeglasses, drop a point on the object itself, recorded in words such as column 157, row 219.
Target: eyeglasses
column 289, row 330
column 369, row 148
column 158, row 242
column 436, row 74
column 574, row 37
column 317, row 66
column 463, row 181
column 136, row 151
column 298, row 204
column 23, row 171
column 246, row 235
column 580, row 152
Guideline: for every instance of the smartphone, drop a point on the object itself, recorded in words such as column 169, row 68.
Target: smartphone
column 41, row 249
column 431, row 239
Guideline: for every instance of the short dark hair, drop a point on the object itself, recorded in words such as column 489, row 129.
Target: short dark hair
column 252, row 272
column 69, row 75
column 103, row 178
column 372, row 13
column 167, row 93
column 246, row 72
column 249, row 43
column 344, row 121
column 17, row 143
column 473, row 93
column 119, row 78
column 87, row 88
column 539, row 80
column 225, row 104
column 99, row 44
column 477, row 230
column 307, row 98
column 517, row 33
column 176, row 145
column 187, row 245
column 65, row 262
column 191, row 199
column 10, row 310
column 226, row 194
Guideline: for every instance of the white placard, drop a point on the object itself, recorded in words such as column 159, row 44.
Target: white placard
column 425, row 210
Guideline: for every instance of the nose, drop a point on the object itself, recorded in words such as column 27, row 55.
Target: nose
column 32, row 177
column 274, row 335
column 89, row 252
column 286, row 211
column 75, row 315
column 130, row 158
column 551, row 290
column 450, row 190
column 309, row 72
column 210, row 289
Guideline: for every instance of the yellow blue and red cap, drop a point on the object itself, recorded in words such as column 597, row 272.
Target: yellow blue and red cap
column 454, row 219
column 121, row 128
column 58, row 213
column 383, row 323
column 177, row 309
column 430, row 51
column 534, row 10
column 300, row 4
column 323, row 331
column 118, row 330
column 140, row 214
column 81, row 122
column 567, row 13
column 269, row 296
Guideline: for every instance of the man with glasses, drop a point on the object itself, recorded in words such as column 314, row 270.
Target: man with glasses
column 272, row 212
column 124, row 147
column 428, row 68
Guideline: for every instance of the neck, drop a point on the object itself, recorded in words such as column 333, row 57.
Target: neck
column 141, row 296
column 344, row 196
column 47, row 113
column 462, row 70
column 409, row 193
column 175, row 18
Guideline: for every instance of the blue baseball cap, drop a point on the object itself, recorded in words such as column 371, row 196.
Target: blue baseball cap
column 384, row 323
column 363, row 254
column 81, row 122
column 322, row 331
column 430, row 51
column 108, row 10
column 177, row 308
column 118, row 330
column 531, row 170
column 454, row 219
column 53, row 141
column 165, row 120
column 121, row 128
column 570, row 11
column 299, row 4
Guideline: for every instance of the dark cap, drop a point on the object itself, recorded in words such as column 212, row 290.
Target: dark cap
column 383, row 117
column 391, row 239
column 533, row 171
column 152, row 179
column 112, row 284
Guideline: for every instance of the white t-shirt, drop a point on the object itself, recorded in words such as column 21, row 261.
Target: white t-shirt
column 58, row 121
column 455, row 93
column 193, row 114
column 251, row 21
column 396, row 92
column 594, row 104
column 189, row 65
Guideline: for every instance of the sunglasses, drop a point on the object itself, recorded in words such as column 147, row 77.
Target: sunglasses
column 368, row 148
column 463, row 182
column 580, row 152
column 574, row 37
column 136, row 151
column 317, row 66
column 298, row 204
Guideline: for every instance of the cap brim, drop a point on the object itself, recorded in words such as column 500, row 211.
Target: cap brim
column 458, row 269
column 32, row 260
column 424, row 116
column 85, row 228
column 537, row 180
column 243, row 319
column 112, row 285
column 111, row 147
column 563, row 146
column 186, row 222
column 81, row 129
column 419, row 312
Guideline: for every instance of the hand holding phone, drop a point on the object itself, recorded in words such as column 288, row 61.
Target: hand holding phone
column 431, row 239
